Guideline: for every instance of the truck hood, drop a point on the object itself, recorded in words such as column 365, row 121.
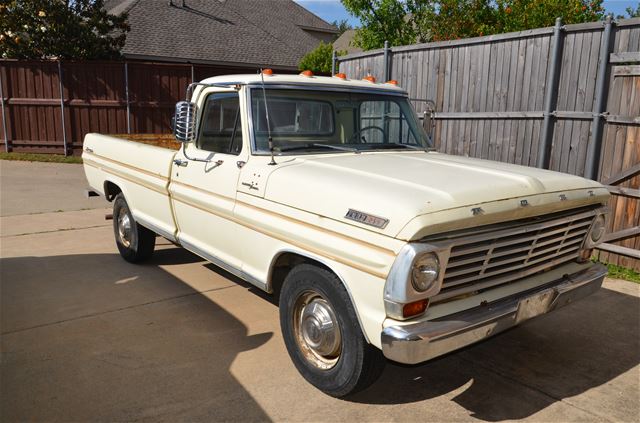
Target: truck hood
column 399, row 186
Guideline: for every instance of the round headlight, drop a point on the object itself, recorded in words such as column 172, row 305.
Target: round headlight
column 597, row 229
column 425, row 272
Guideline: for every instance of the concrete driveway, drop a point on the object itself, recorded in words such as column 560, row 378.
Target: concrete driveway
column 87, row 336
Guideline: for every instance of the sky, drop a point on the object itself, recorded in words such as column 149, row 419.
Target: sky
column 332, row 10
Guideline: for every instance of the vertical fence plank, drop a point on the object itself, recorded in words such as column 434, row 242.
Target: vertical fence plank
column 5, row 130
column 595, row 146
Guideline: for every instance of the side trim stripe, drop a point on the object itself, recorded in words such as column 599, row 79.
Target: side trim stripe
column 271, row 234
column 291, row 219
column 287, row 240
column 146, row 172
column 123, row 176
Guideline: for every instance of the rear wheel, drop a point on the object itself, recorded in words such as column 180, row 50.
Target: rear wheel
column 135, row 242
column 322, row 334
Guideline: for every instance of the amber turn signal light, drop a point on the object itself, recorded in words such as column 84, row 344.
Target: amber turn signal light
column 340, row 75
column 392, row 82
column 267, row 72
column 415, row 308
column 370, row 78
column 306, row 73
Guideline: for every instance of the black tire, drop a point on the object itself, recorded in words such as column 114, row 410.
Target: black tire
column 138, row 243
column 351, row 369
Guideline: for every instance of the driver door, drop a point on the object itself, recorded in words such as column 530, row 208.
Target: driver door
column 204, row 182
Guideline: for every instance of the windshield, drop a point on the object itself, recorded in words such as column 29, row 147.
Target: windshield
column 310, row 121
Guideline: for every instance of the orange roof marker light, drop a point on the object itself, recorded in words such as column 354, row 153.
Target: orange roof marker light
column 267, row 72
column 392, row 82
column 306, row 73
column 340, row 75
column 370, row 78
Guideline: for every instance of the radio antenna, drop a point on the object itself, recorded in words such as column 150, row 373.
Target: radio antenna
column 266, row 112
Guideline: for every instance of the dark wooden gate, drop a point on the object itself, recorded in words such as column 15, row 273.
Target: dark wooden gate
column 620, row 165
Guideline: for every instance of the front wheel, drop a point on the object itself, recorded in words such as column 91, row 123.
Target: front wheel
column 135, row 242
column 322, row 334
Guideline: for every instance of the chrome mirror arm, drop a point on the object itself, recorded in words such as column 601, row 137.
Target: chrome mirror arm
column 195, row 159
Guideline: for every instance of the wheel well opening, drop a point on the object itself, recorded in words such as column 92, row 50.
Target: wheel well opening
column 281, row 267
column 111, row 190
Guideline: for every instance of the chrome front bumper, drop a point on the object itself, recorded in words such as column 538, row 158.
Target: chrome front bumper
column 417, row 342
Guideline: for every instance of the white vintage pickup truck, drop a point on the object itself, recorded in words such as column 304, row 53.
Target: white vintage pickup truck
column 326, row 191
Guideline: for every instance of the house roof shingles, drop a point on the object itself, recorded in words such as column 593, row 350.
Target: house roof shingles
column 256, row 32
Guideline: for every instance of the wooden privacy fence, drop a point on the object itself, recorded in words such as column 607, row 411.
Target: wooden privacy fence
column 566, row 98
column 48, row 106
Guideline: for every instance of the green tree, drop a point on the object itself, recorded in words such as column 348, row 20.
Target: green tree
column 410, row 21
column 453, row 19
column 518, row 15
column 66, row 29
column 631, row 12
column 390, row 20
column 319, row 59
column 342, row 25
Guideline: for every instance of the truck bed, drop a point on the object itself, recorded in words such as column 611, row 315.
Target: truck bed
column 158, row 140
column 140, row 167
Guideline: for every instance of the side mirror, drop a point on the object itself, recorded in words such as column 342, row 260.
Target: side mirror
column 428, row 122
column 184, row 121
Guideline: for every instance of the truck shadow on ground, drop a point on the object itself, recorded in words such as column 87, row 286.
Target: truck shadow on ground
column 520, row 372
column 91, row 337
column 88, row 337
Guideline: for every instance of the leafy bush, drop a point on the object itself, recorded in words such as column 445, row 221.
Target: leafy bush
column 318, row 60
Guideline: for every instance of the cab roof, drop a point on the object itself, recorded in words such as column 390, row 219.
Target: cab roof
column 284, row 79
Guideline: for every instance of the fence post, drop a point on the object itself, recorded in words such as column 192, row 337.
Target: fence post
column 64, row 129
column 4, row 119
column 126, row 96
column 592, row 166
column 334, row 60
column 386, row 61
column 551, row 97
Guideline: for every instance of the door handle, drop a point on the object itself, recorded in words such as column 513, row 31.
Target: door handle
column 180, row 162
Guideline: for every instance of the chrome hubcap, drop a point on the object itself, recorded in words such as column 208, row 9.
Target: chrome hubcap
column 317, row 331
column 124, row 228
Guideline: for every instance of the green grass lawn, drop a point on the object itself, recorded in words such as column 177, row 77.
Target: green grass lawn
column 35, row 157
column 619, row 272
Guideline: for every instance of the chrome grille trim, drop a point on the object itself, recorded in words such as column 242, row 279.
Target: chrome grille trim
column 483, row 260
column 508, row 252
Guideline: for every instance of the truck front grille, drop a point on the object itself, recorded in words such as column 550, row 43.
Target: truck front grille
column 495, row 257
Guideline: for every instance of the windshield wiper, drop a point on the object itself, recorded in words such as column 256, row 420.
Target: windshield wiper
column 396, row 145
column 316, row 145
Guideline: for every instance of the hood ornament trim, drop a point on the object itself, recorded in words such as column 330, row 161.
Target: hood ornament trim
column 367, row 219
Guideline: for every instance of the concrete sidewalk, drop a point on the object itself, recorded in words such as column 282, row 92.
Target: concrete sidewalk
column 87, row 336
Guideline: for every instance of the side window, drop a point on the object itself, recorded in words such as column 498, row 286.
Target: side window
column 391, row 120
column 220, row 128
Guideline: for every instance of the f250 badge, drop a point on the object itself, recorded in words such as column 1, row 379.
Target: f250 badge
column 367, row 219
